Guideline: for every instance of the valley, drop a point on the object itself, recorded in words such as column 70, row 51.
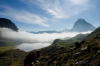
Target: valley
column 82, row 49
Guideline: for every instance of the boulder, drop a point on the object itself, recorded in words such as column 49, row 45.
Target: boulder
column 77, row 45
column 31, row 58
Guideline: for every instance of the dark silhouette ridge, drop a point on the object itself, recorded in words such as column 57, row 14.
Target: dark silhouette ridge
column 6, row 23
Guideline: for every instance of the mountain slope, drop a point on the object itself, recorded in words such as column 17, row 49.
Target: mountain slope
column 82, row 26
column 87, row 54
column 92, row 34
column 6, row 23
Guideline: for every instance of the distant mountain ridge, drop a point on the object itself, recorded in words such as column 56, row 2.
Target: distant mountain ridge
column 6, row 23
column 82, row 26
column 48, row 31
column 79, row 26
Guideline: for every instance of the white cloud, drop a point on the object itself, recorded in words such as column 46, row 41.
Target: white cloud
column 60, row 8
column 52, row 7
column 57, row 9
column 23, row 16
column 34, row 41
column 29, row 37
column 79, row 2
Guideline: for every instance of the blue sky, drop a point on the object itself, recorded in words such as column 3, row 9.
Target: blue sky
column 37, row 15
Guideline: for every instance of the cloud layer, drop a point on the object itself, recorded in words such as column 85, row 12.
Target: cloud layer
column 60, row 8
column 56, row 9
column 34, row 41
column 23, row 16
column 35, row 38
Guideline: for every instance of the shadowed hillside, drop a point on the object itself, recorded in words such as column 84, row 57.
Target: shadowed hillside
column 6, row 23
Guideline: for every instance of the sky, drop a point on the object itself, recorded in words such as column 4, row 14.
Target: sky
column 39, row 15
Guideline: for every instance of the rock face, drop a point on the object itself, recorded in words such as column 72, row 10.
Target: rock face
column 81, row 26
column 31, row 58
column 6, row 23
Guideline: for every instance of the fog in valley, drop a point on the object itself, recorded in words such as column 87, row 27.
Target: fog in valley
column 35, row 41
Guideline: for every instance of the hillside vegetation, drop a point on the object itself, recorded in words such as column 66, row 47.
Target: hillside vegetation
column 17, row 57
column 83, row 53
column 76, row 51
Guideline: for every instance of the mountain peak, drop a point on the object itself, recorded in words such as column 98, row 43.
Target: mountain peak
column 80, row 19
column 6, row 23
column 81, row 25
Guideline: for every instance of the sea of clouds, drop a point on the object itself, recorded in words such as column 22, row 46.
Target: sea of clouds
column 35, row 41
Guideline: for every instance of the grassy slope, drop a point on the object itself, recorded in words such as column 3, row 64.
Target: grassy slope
column 6, row 48
column 96, row 31
column 12, row 58
column 68, row 56
column 72, row 57
column 6, row 44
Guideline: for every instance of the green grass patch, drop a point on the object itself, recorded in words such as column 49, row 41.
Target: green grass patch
column 3, row 49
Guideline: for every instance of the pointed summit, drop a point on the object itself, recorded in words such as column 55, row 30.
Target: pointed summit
column 82, row 26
